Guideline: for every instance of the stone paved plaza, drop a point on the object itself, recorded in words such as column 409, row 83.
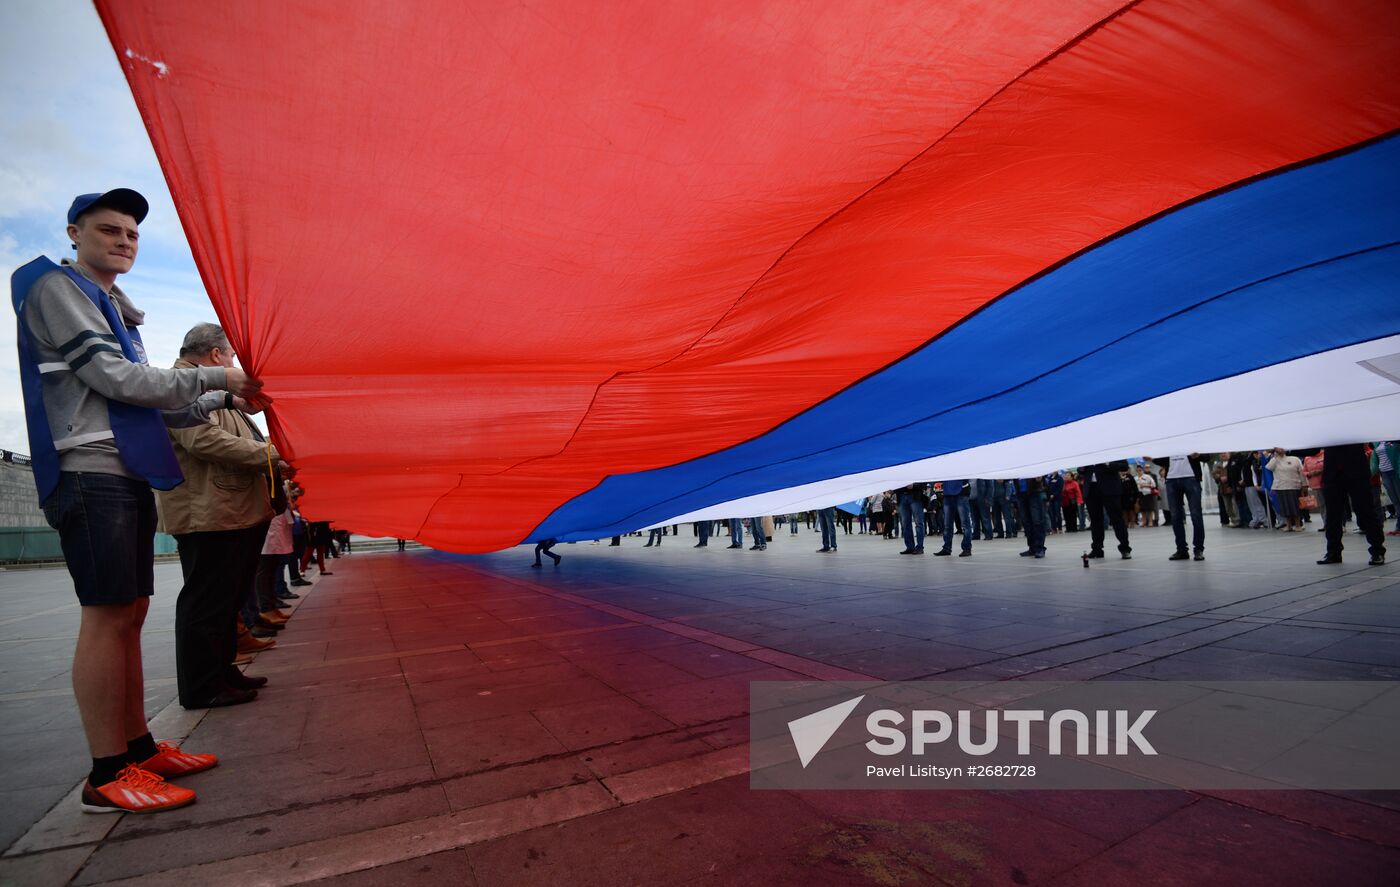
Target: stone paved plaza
column 437, row 719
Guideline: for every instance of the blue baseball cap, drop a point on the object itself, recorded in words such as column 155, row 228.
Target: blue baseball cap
column 120, row 199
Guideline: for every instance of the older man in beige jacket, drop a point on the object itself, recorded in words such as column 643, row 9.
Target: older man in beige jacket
column 219, row 518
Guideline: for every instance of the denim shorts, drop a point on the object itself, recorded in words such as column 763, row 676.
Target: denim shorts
column 107, row 527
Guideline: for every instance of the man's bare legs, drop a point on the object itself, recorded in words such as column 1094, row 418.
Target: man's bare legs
column 136, row 725
column 107, row 676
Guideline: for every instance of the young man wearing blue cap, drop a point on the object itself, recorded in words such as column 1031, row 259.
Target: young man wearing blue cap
column 97, row 415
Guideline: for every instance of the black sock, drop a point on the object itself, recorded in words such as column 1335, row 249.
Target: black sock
column 104, row 770
column 140, row 749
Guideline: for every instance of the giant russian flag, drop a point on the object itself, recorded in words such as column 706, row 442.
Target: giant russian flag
column 565, row 269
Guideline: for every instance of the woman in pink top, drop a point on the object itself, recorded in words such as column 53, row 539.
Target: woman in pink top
column 1312, row 470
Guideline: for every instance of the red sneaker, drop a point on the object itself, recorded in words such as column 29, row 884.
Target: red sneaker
column 134, row 791
column 169, row 762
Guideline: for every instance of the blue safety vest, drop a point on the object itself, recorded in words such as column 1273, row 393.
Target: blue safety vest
column 139, row 432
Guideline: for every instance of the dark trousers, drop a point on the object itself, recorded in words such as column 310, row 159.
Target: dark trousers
column 1071, row 510
column 1008, row 510
column 265, row 581
column 1336, row 494
column 219, row 568
column 1095, row 503
column 955, row 511
column 911, row 517
column 980, row 520
column 826, row 518
column 1188, row 489
column 1033, row 519
column 544, row 547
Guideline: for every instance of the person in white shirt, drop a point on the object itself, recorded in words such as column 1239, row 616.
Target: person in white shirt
column 1184, row 488
column 1289, row 484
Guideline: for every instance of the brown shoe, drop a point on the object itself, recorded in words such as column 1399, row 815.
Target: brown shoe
column 249, row 644
column 275, row 616
column 243, row 659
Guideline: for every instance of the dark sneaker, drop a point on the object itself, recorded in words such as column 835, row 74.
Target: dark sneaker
column 966, row 552
column 1331, row 559
column 1180, row 556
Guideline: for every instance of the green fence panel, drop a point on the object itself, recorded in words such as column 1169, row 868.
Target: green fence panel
column 28, row 544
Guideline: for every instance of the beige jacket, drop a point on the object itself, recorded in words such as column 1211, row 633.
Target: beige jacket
column 225, row 466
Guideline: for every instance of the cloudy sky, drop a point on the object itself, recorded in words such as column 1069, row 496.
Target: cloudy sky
column 69, row 126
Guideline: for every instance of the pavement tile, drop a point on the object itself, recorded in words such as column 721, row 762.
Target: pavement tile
column 723, row 734
column 441, row 666
column 484, row 704
column 356, row 851
column 355, row 716
column 592, row 723
column 517, row 655
column 1368, row 816
column 53, row 867
column 138, row 853
column 1110, row 816
column 951, row 837
column 626, row 672
column 478, row 745
column 449, row 868
column 638, row 754
column 1293, row 640
column 703, row 660
column 711, row 699
column 45, row 757
column 711, row 827
column 274, row 783
column 475, row 682
column 514, row 781
column 907, row 660
column 1369, row 648
column 1211, row 842
column 277, row 732
column 674, row 776
column 21, row 808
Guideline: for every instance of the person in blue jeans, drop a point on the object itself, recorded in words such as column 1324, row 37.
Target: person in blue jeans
column 1183, row 492
column 736, row 532
column 760, row 538
column 955, row 502
column 911, row 518
column 826, row 519
column 1031, row 497
column 1008, row 508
